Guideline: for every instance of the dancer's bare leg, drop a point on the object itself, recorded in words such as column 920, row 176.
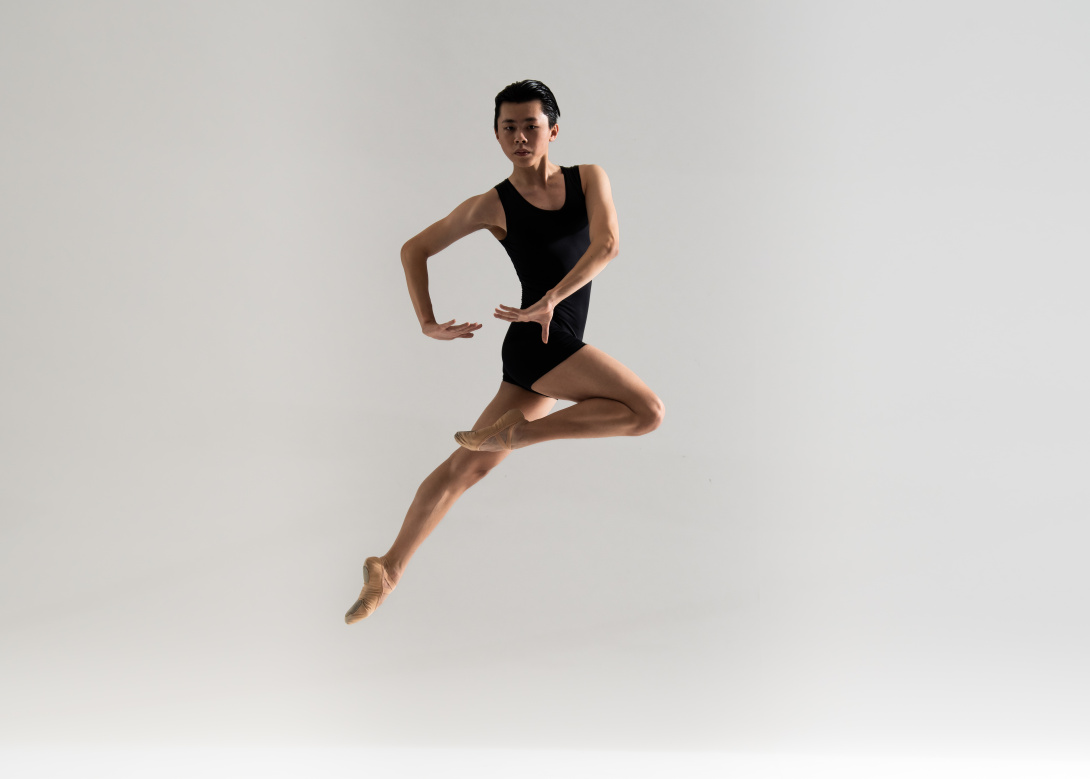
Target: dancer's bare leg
column 610, row 400
column 464, row 468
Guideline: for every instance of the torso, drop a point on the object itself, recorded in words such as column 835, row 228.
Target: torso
column 545, row 242
column 553, row 200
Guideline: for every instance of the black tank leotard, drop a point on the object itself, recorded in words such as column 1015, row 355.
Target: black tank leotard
column 544, row 245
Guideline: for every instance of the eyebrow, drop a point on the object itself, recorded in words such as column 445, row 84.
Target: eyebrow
column 512, row 121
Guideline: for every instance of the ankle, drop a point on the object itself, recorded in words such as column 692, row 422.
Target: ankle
column 393, row 567
column 517, row 435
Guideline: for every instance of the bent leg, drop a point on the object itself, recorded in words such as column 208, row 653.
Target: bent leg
column 464, row 468
column 610, row 400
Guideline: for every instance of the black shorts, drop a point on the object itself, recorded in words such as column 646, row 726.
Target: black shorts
column 526, row 359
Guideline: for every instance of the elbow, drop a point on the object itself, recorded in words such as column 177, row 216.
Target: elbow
column 611, row 247
column 411, row 253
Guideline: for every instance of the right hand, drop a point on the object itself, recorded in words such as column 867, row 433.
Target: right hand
column 448, row 331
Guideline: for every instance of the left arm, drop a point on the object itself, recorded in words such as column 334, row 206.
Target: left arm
column 604, row 246
column 604, row 235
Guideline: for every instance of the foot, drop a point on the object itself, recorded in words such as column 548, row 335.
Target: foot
column 500, row 436
column 378, row 582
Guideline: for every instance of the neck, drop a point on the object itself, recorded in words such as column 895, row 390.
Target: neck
column 535, row 176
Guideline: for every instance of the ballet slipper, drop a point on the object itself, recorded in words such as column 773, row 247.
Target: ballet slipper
column 501, row 430
column 376, row 586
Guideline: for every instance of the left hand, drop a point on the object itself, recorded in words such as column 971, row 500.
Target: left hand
column 541, row 312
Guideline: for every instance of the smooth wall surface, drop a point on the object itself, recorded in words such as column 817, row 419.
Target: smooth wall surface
column 853, row 265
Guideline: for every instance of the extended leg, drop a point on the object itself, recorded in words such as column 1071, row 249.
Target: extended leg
column 436, row 494
column 439, row 491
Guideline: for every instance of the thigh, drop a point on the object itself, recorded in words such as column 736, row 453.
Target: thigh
column 511, row 396
column 591, row 373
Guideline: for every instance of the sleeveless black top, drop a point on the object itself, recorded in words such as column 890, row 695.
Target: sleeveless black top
column 544, row 245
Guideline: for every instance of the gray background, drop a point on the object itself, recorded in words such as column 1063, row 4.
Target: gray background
column 853, row 265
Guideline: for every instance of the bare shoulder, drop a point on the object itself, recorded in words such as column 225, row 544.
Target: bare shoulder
column 489, row 212
column 590, row 174
column 479, row 212
column 482, row 211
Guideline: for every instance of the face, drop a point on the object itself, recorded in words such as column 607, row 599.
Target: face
column 524, row 133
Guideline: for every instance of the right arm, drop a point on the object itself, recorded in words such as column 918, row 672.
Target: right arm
column 467, row 218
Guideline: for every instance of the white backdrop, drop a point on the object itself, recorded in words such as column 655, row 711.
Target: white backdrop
column 853, row 265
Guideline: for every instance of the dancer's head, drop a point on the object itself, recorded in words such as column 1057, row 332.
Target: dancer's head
column 527, row 92
column 522, row 111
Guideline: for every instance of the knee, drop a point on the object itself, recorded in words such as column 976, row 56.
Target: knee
column 651, row 415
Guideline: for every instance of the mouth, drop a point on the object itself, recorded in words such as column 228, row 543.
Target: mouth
column 522, row 153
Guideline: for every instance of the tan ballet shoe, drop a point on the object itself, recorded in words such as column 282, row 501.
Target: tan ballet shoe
column 376, row 586
column 501, row 430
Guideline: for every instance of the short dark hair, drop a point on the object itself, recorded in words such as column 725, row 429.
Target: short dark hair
column 525, row 92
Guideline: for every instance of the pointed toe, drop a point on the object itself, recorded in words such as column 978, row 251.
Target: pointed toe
column 376, row 587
